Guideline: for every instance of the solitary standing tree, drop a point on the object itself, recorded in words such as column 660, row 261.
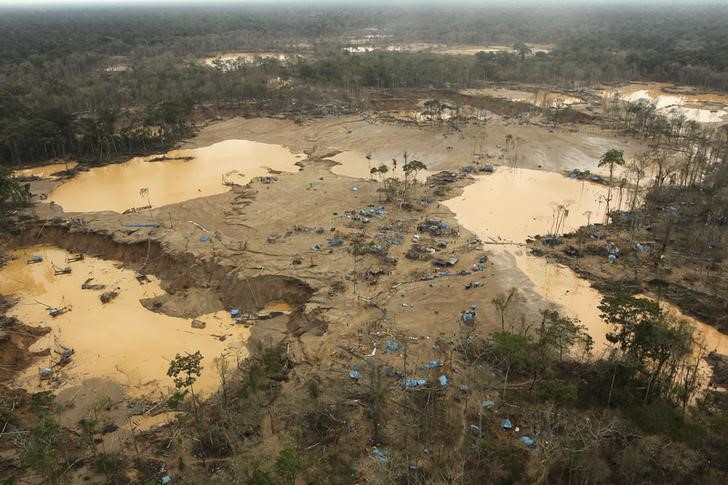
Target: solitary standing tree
column 184, row 370
column 522, row 49
column 381, row 171
column 144, row 193
column 501, row 303
column 611, row 158
column 512, row 350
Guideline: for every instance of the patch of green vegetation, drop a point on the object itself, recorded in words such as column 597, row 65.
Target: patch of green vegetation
column 665, row 419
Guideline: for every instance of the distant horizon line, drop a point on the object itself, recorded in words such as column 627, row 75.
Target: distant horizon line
column 33, row 4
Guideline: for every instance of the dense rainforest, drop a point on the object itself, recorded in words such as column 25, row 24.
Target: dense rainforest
column 93, row 83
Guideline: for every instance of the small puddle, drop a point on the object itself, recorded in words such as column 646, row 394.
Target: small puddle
column 119, row 340
column 357, row 165
column 182, row 175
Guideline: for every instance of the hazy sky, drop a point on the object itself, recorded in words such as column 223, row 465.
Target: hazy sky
column 31, row 3
column 342, row 2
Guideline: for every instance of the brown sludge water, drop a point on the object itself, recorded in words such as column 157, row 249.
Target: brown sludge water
column 513, row 204
column 120, row 340
column 118, row 187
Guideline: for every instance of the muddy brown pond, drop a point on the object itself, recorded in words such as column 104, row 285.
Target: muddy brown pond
column 513, row 204
column 119, row 340
column 177, row 176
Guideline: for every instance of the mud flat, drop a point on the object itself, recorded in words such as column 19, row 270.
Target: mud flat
column 44, row 171
column 177, row 176
column 119, row 340
column 357, row 165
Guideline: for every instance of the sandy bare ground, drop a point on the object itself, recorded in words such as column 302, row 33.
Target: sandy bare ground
column 439, row 146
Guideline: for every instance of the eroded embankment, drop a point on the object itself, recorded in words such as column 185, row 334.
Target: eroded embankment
column 15, row 340
column 178, row 271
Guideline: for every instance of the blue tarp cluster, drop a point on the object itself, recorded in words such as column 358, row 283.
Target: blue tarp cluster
column 432, row 364
column 141, row 225
column 415, row 382
column 613, row 252
column 586, row 175
column 551, row 241
column 205, row 238
column 469, row 317
column 392, row 346
column 443, row 380
column 355, row 374
column 234, row 312
column 372, row 211
column 433, row 227
column 335, row 242
column 506, row 424
column 393, row 373
column 527, row 440
column 442, row 274
column 488, row 403
column 379, row 455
